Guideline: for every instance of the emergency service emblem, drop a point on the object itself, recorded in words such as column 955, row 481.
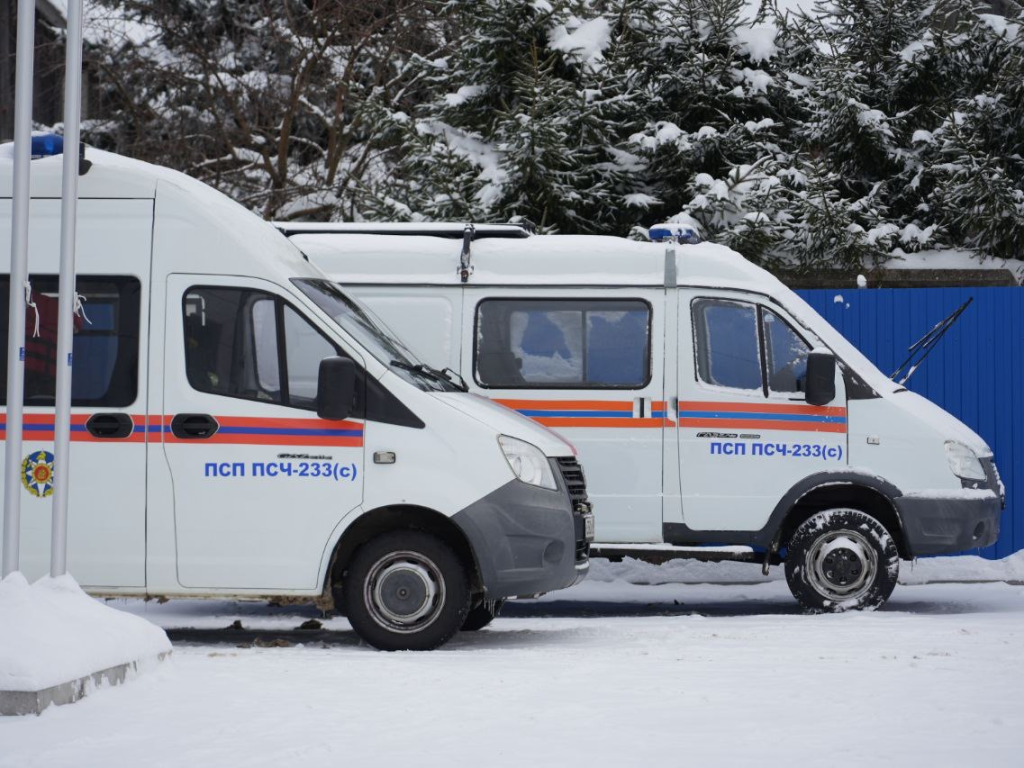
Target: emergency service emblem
column 37, row 473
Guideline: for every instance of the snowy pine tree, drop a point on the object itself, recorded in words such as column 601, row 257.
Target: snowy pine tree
column 520, row 125
column 834, row 136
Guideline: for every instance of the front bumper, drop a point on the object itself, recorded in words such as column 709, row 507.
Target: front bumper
column 527, row 540
column 942, row 526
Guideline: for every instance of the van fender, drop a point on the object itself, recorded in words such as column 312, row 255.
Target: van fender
column 818, row 485
column 328, row 554
column 360, row 525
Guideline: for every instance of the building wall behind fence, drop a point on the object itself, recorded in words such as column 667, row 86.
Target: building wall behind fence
column 976, row 372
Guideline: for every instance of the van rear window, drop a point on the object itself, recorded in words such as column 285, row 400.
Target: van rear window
column 563, row 343
column 105, row 348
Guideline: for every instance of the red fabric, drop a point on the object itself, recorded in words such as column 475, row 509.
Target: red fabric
column 41, row 350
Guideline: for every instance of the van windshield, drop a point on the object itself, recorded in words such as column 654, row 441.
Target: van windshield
column 368, row 330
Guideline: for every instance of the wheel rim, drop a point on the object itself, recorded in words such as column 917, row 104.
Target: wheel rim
column 842, row 565
column 404, row 592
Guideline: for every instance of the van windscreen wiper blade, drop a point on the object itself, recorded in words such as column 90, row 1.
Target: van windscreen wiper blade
column 426, row 371
column 920, row 349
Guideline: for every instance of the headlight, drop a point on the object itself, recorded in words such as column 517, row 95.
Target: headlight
column 528, row 462
column 964, row 462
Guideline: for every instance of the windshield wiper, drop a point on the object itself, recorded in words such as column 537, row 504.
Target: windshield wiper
column 920, row 349
column 456, row 379
column 425, row 371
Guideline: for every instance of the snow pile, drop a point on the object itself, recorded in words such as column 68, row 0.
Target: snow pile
column 923, row 571
column 52, row 633
column 930, row 570
column 757, row 42
column 678, row 572
column 953, row 259
column 587, row 42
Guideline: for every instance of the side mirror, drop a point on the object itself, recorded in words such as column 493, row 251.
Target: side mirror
column 336, row 388
column 820, row 382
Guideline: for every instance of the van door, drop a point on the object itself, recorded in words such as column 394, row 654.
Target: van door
column 260, row 481
column 746, row 435
column 587, row 367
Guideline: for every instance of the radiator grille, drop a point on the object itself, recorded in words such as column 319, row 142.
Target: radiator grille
column 572, row 474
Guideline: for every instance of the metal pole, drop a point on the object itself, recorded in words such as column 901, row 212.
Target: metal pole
column 19, row 276
column 66, row 290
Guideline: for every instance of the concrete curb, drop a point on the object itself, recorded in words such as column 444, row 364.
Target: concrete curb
column 15, row 703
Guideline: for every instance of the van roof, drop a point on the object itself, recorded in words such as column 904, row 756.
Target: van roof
column 241, row 242
column 109, row 176
column 449, row 229
column 569, row 260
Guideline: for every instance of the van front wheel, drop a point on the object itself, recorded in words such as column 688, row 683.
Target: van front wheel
column 840, row 560
column 406, row 591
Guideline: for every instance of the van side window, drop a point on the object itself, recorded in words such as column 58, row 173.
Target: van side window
column 726, row 343
column 251, row 345
column 785, row 354
column 564, row 343
column 105, row 345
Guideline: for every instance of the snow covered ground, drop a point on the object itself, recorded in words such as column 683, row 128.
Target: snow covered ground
column 608, row 673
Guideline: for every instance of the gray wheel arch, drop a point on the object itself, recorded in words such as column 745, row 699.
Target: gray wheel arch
column 827, row 490
column 396, row 518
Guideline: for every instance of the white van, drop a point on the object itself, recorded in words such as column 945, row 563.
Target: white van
column 710, row 404
column 242, row 428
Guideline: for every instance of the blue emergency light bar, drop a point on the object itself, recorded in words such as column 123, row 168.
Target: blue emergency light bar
column 47, row 145
column 674, row 233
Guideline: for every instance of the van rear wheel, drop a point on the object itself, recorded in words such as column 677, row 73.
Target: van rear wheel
column 840, row 560
column 406, row 591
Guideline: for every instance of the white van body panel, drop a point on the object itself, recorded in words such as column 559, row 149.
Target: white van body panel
column 409, row 312
column 741, row 478
column 626, row 485
column 95, row 512
column 910, row 449
column 509, row 422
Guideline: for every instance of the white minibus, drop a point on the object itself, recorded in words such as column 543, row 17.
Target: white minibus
column 710, row 404
column 242, row 428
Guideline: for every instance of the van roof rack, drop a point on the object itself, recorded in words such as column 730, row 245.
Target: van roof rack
column 467, row 232
column 450, row 229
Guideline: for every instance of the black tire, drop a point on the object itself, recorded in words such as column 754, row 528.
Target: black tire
column 841, row 560
column 406, row 591
column 482, row 615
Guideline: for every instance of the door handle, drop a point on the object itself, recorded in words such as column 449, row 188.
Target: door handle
column 110, row 426
column 194, row 426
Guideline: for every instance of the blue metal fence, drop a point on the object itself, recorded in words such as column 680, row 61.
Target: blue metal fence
column 976, row 372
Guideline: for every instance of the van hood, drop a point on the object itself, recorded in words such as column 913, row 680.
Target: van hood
column 947, row 425
column 505, row 421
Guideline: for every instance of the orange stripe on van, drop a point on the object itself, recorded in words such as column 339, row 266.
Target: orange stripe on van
column 40, row 428
column 568, row 405
column 613, row 423
column 233, row 430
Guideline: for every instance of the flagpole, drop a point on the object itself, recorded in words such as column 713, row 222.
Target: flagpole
column 19, row 278
column 67, row 289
